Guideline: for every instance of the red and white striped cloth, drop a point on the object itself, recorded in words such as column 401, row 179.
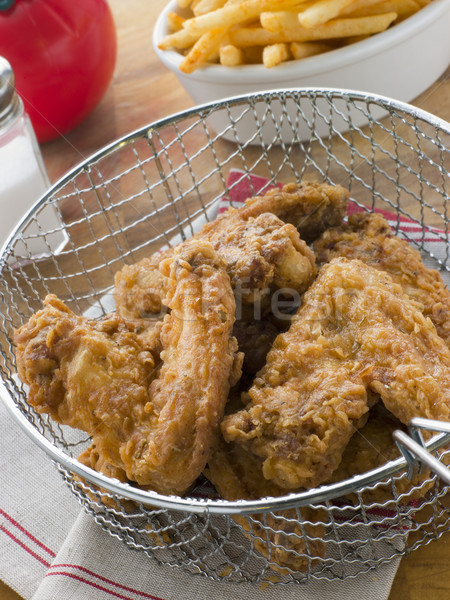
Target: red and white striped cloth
column 51, row 550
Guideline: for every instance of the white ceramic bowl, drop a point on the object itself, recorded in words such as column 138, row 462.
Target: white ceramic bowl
column 399, row 63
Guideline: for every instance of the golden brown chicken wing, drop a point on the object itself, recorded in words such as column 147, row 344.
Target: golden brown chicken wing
column 259, row 253
column 369, row 238
column 258, row 241
column 157, row 423
column 310, row 206
column 355, row 331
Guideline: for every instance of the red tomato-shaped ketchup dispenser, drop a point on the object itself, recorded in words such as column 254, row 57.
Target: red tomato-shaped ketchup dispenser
column 63, row 54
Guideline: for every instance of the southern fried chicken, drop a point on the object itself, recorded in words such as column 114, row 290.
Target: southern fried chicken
column 94, row 458
column 310, row 206
column 158, row 424
column 259, row 253
column 369, row 238
column 258, row 242
column 140, row 288
column 355, row 331
column 289, row 538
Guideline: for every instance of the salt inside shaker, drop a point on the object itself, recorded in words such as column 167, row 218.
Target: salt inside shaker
column 23, row 178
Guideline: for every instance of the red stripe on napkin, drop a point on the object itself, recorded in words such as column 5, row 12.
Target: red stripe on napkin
column 27, row 533
column 65, row 570
column 94, row 585
column 24, row 546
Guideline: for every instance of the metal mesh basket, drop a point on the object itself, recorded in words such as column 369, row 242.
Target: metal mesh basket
column 152, row 188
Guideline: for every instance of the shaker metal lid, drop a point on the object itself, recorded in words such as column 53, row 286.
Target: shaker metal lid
column 9, row 100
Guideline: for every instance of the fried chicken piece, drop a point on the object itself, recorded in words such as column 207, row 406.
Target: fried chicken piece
column 290, row 538
column 258, row 248
column 139, row 288
column 261, row 252
column 369, row 238
column 355, row 331
column 258, row 252
column 310, row 206
column 76, row 367
column 94, row 458
column 158, row 424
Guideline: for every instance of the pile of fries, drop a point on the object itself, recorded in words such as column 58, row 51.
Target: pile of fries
column 268, row 32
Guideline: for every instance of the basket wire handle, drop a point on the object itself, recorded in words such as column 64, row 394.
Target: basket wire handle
column 413, row 449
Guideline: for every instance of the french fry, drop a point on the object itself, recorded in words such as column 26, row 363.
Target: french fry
column 305, row 49
column 401, row 7
column 245, row 37
column 232, row 14
column 231, row 56
column 184, row 3
column 206, row 6
column 174, row 21
column 339, row 28
column 276, row 22
column 322, row 11
column 275, row 54
column 204, row 47
column 358, row 5
column 181, row 40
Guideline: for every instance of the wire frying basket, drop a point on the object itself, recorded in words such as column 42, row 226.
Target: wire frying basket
column 154, row 188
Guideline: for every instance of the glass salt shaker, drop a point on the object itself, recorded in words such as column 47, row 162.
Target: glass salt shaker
column 23, row 178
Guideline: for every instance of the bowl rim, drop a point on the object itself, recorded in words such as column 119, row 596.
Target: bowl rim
column 316, row 495
column 314, row 65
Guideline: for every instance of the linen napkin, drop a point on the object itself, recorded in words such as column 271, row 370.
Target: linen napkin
column 37, row 509
column 51, row 549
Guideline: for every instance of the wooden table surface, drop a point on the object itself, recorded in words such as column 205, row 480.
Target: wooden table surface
column 142, row 91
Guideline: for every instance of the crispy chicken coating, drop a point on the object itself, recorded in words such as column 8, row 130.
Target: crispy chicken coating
column 157, row 423
column 258, row 241
column 356, row 331
column 369, row 238
column 310, row 206
column 259, row 253
column 94, row 457
column 140, row 288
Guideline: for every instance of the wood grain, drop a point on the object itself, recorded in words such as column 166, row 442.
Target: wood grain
column 143, row 91
column 6, row 593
